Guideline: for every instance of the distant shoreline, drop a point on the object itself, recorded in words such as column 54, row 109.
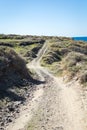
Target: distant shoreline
column 80, row 38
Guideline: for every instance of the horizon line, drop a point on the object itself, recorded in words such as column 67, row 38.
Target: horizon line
column 42, row 35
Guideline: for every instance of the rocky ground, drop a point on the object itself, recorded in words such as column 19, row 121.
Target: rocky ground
column 11, row 111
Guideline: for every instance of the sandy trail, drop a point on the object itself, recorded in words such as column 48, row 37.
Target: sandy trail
column 58, row 106
column 61, row 106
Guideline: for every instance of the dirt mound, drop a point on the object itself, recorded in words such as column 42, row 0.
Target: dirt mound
column 12, row 68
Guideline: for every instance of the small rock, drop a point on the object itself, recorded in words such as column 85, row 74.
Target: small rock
column 2, row 124
column 1, row 128
column 17, row 111
column 9, row 120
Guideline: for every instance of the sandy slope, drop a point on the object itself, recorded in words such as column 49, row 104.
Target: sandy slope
column 57, row 106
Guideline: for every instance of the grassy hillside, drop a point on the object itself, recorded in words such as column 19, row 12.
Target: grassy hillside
column 68, row 58
column 60, row 50
column 26, row 46
column 64, row 56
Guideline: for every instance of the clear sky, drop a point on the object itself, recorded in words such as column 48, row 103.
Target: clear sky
column 44, row 17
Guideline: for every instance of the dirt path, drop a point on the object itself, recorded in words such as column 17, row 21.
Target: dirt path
column 55, row 105
column 61, row 107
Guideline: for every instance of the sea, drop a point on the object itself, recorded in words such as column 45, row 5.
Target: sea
column 80, row 38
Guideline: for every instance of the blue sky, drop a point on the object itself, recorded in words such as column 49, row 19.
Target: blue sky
column 44, row 17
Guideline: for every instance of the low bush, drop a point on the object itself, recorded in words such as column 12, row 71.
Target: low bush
column 12, row 68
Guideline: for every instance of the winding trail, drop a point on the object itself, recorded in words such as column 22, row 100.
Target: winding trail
column 55, row 105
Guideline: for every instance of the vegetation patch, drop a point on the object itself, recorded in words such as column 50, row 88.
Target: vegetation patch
column 26, row 46
column 66, row 57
